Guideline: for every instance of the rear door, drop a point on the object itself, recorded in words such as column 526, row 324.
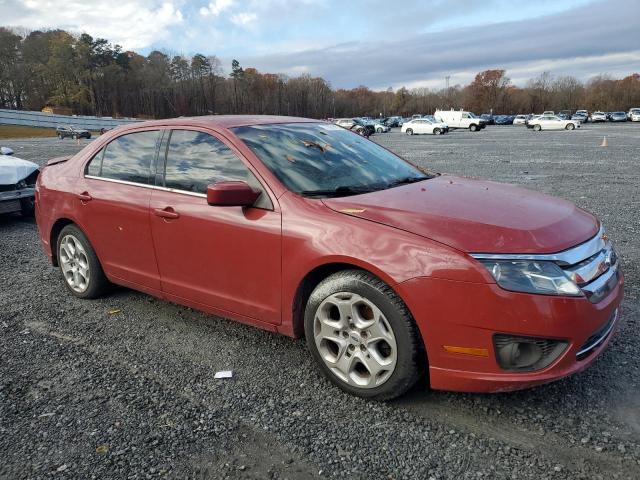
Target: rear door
column 228, row 258
column 113, row 198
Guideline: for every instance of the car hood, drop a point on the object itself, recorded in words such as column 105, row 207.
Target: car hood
column 475, row 216
column 13, row 169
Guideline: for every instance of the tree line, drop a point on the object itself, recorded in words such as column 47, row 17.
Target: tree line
column 94, row 77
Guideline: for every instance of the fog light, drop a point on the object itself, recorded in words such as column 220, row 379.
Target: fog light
column 526, row 353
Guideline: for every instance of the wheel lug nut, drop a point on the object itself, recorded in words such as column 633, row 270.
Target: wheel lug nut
column 363, row 348
column 345, row 334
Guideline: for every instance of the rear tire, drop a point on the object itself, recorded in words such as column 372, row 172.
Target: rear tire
column 79, row 264
column 537, row 128
column 570, row 126
column 409, row 131
column 362, row 336
column 379, row 130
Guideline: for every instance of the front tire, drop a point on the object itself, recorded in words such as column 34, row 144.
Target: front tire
column 362, row 336
column 409, row 131
column 473, row 128
column 437, row 131
column 79, row 264
column 379, row 130
column 537, row 128
column 570, row 126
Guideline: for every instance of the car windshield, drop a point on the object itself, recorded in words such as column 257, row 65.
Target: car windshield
column 321, row 159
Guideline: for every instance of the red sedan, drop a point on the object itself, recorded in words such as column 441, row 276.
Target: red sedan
column 301, row 227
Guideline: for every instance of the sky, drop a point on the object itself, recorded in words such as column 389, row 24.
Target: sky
column 377, row 43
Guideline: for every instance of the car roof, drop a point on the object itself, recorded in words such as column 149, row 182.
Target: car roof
column 222, row 121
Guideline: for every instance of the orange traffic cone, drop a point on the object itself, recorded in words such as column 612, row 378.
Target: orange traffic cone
column 604, row 142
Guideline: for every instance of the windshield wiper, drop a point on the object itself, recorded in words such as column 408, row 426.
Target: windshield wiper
column 341, row 191
column 406, row 180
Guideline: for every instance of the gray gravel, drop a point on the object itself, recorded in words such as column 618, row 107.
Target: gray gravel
column 86, row 394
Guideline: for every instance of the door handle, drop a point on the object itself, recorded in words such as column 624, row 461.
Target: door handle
column 84, row 197
column 166, row 212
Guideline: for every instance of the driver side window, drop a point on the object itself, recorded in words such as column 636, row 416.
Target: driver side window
column 196, row 159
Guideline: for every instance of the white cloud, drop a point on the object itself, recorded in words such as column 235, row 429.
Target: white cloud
column 216, row 7
column 243, row 19
column 129, row 23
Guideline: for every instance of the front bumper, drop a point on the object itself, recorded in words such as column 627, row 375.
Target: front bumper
column 469, row 314
column 10, row 199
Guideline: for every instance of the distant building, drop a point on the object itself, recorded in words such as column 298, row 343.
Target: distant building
column 57, row 110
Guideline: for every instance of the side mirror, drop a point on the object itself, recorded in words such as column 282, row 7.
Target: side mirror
column 231, row 194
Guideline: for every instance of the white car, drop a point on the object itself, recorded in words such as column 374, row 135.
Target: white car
column 17, row 183
column 598, row 117
column 424, row 125
column 520, row 120
column 345, row 122
column 548, row 112
column 551, row 122
column 634, row 114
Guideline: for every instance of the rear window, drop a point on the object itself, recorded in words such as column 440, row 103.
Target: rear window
column 127, row 158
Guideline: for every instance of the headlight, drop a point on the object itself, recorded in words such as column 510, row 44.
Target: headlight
column 531, row 277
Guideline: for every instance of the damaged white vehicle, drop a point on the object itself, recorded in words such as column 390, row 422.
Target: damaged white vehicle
column 17, row 183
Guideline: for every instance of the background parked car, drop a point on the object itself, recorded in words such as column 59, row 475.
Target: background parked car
column 520, row 120
column 564, row 116
column 598, row 117
column 363, row 127
column 460, row 119
column 17, row 183
column 345, row 122
column 424, row 125
column 618, row 117
column 489, row 118
column 552, row 122
column 631, row 112
column 72, row 132
column 380, row 126
column 579, row 117
column 635, row 116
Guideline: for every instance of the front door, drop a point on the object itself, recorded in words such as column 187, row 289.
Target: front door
column 228, row 258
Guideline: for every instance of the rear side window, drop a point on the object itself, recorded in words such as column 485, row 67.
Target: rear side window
column 128, row 158
column 196, row 159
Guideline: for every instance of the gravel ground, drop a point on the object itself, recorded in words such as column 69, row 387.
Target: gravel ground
column 89, row 394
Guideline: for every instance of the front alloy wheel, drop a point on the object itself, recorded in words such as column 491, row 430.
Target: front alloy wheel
column 363, row 336
column 354, row 340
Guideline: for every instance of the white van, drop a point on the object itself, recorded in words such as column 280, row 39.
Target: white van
column 460, row 119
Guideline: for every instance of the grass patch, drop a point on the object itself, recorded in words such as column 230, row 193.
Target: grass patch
column 20, row 131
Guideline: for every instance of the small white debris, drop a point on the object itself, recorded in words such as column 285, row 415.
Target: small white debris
column 223, row 374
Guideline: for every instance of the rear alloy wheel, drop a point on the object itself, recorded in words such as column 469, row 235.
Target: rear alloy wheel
column 379, row 130
column 362, row 336
column 570, row 126
column 437, row 131
column 409, row 131
column 81, row 269
column 537, row 128
column 473, row 128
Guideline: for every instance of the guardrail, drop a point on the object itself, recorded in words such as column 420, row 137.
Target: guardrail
column 52, row 120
